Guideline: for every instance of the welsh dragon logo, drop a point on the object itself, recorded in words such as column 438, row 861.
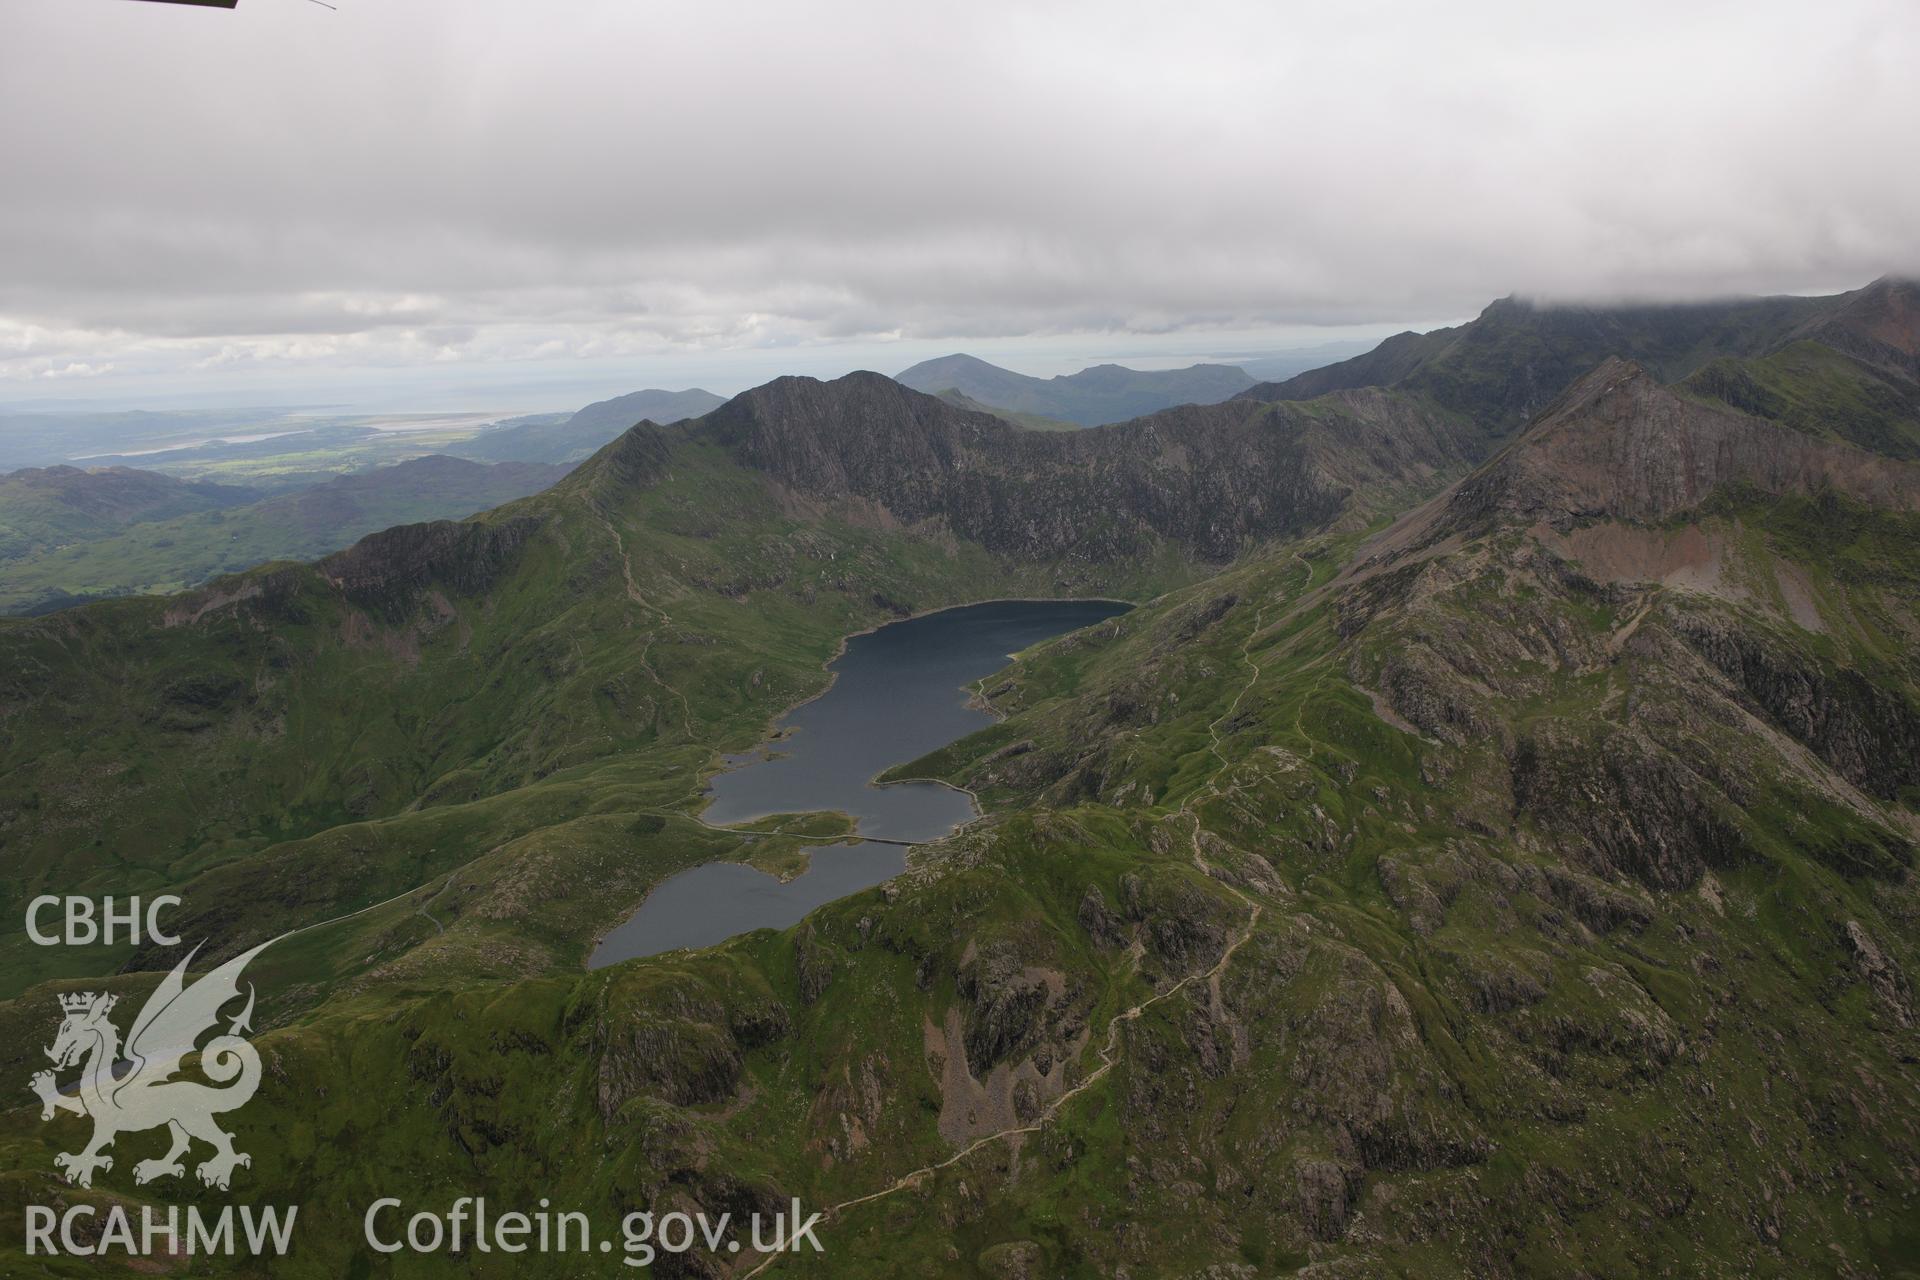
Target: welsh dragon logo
column 131, row 1088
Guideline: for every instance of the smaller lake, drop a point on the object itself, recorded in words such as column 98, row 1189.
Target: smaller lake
column 898, row 692
column 714, row 902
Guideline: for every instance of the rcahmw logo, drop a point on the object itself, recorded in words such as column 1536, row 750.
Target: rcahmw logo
column 85, row 1232
column 146, row 1096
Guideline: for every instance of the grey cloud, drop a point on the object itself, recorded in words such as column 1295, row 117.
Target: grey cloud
column 405, row 178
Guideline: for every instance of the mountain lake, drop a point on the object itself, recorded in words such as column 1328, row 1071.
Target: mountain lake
column 898, row 692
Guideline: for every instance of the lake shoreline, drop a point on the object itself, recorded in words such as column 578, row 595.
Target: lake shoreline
column 913, row 694
column 772, row 733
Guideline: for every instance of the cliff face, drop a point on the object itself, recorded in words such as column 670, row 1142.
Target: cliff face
column 1208, row 479
column 386, row 571
column 862, row 434
column 1620, row 445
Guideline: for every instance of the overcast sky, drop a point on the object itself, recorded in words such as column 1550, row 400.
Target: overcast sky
column 450, row 199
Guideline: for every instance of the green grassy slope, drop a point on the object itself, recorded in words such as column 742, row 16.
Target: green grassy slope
column 163, row 555
column 48, row 507
column 1822, row 392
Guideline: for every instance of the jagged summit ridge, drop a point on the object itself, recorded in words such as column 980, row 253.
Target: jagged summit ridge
column 1210, row 479
column 1511, row 362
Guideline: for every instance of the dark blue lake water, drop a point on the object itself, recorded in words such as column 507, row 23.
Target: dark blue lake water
column 898, row 693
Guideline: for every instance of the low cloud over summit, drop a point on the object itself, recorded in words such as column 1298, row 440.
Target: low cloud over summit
column 400, row 186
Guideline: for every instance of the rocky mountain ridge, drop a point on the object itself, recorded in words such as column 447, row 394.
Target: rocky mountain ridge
column 1514, row 359
column 1210, row 479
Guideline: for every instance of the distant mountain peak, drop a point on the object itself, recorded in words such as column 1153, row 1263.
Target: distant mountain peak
column 1095, row 396
column 622, row 412
column 1512, row 302
column 959, row 358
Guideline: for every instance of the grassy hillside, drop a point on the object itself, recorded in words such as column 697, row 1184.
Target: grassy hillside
column 1821, row 392
column 164, row 554
column 46, row 508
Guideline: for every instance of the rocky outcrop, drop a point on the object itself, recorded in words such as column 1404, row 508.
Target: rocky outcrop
column 682, row 1043
column 1006, row 1001
column 1186, row 926
column 1866, row 731
column 1881, row 974
column 637, row 459
column 1628, row 806
column 383, row 572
